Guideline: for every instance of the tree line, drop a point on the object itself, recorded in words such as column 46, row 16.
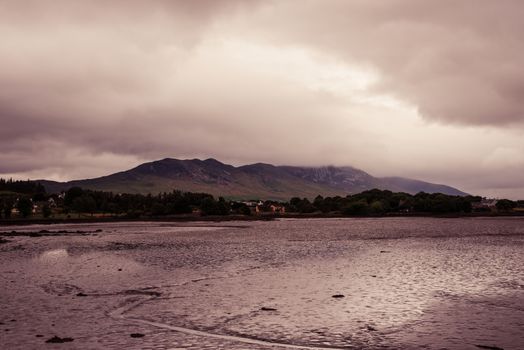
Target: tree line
column 380, row 202
column 21, row 186
column 83, row 201
column 28, row 198
column 79, row 200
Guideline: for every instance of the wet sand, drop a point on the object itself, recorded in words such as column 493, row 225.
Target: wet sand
column 405, row 283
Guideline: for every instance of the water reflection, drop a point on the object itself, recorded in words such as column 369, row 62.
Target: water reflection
column 53, row 255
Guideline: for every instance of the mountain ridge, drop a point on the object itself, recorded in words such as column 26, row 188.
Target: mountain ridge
column 258, row 180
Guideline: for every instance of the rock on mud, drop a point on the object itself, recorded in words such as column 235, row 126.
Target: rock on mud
column 59, row 340
column 265, row 308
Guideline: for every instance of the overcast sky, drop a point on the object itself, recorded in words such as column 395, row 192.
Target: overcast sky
column 428, row 90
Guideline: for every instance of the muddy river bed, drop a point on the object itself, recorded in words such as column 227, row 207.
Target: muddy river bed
column 392, row 283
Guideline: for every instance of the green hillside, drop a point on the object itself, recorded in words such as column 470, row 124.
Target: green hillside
column 259, row 180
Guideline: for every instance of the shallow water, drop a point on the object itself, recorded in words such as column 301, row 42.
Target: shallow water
column 407, row 283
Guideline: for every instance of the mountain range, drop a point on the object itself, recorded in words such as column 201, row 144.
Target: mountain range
column 254, row 181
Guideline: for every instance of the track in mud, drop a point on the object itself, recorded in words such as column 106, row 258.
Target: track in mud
column 120, row 314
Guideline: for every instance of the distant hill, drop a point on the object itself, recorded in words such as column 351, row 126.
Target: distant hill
column 264, row 181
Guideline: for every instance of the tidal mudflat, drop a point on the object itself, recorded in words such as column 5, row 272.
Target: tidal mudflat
column 384, row 283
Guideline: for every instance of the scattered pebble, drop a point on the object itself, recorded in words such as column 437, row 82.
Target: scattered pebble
column 81, row 294
column 338, row 296
column 137, row 335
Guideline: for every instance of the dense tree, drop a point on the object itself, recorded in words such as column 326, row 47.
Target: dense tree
column 84, row 204
column 359, row 207
column 158, row 209
column 377, row 207
column 20, row 186
column 380, row 202
column 72, row 194
column 7, row 207
column 240, row 208
column 211, row 207
column 372, row 202
column 25, row 206
column 302, row 205
column 46, row 211
column 505, row 205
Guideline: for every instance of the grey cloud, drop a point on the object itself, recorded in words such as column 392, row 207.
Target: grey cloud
column 86, row 83
column 458, row 61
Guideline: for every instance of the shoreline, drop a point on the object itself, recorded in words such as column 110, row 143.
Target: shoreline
column 226, row 218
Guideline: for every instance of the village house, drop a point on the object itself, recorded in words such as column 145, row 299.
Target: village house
column 273, row 208
column 485, row 205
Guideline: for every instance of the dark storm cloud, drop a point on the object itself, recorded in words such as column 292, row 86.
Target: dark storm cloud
column 90, row 87
column 77, row 72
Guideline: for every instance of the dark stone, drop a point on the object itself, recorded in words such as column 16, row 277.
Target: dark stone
column 488, row 347
column 137, row 335
column 81, row 294
column 39, row 335
column 59, row 340
column 264, row 308
column 373, row 275
column 119, row 269
column 99, row 230
column 371, row 328
column 338, row 296
column 384, row 251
